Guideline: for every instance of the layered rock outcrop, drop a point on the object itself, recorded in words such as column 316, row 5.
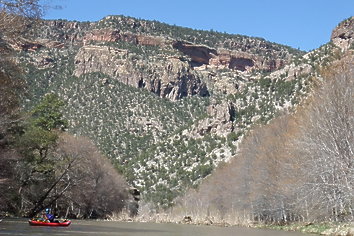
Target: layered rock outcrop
column 244, row 61
column 199, row 54
column 231, row 59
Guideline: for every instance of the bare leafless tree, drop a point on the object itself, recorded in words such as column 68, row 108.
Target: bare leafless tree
column 73, row 178
column 16, row 15
column 256, row 185
column 326, row 145
column 96, row 188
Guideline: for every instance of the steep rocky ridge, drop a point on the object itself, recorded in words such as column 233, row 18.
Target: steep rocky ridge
column 167, row 104
column 343, row 35
column 231, row 52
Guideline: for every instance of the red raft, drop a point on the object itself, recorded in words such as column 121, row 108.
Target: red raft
column 43, row 223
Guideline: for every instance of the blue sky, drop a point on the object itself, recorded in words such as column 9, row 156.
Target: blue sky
column 304, row 24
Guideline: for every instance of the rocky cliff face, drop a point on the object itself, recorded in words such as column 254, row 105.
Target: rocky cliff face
column 169, row 78
column 231, row 59
column 220, row 121
column 124, row 48
column 343, row 35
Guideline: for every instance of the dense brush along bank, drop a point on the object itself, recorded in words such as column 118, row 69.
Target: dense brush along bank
column 167, row 104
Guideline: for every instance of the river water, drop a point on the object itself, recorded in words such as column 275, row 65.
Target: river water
column 21, row 227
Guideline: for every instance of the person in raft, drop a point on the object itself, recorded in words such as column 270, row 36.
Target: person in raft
column 47, row 216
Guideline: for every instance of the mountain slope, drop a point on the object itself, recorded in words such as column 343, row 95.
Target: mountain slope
column 167, row 104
